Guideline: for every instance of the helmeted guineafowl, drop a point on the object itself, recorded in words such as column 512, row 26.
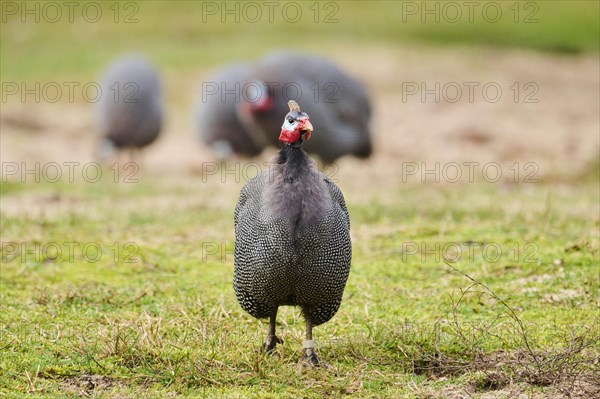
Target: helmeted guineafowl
column 130, row 111
column 292, row 238
column 335, row 101
column 220, row 118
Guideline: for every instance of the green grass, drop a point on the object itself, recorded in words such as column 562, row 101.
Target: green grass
column 168, row 323
column 186, row 36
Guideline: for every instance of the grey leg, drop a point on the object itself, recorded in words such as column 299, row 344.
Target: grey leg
column 308, row 346
column 272, row 340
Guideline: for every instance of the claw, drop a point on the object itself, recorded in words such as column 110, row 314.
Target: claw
column 310, row 357
column 270, row 342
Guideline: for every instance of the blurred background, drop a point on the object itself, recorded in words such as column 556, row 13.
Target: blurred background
column 542, row 56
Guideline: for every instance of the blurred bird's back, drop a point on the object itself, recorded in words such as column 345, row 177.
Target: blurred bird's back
column 218, row 116
column 130, row 112
column 338, row 103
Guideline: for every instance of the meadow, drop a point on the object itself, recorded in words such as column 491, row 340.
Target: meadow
column 117, row 282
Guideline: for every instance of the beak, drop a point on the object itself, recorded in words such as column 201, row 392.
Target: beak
column 306, row 128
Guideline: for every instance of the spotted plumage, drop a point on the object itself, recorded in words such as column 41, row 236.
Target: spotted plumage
column 292, row 237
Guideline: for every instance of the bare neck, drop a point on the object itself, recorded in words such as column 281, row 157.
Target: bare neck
column 294, row 162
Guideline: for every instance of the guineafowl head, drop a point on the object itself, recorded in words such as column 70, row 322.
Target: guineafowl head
column 257, row 97
column 296, row 126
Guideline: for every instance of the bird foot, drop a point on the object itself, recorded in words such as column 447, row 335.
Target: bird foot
column 310, row 359
column 309, row 356
column 271, row 342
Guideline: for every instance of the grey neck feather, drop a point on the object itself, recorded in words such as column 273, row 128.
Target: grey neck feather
column 297, row 190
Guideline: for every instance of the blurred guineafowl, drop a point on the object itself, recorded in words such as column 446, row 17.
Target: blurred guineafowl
column 292, row 238
column 220, row 118
column 336, row 102
column 130, row 111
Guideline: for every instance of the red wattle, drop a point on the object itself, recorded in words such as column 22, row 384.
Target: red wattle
column 289, row 136
column 263, row 104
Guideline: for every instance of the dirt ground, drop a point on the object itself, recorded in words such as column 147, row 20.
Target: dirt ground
column 546, row 112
